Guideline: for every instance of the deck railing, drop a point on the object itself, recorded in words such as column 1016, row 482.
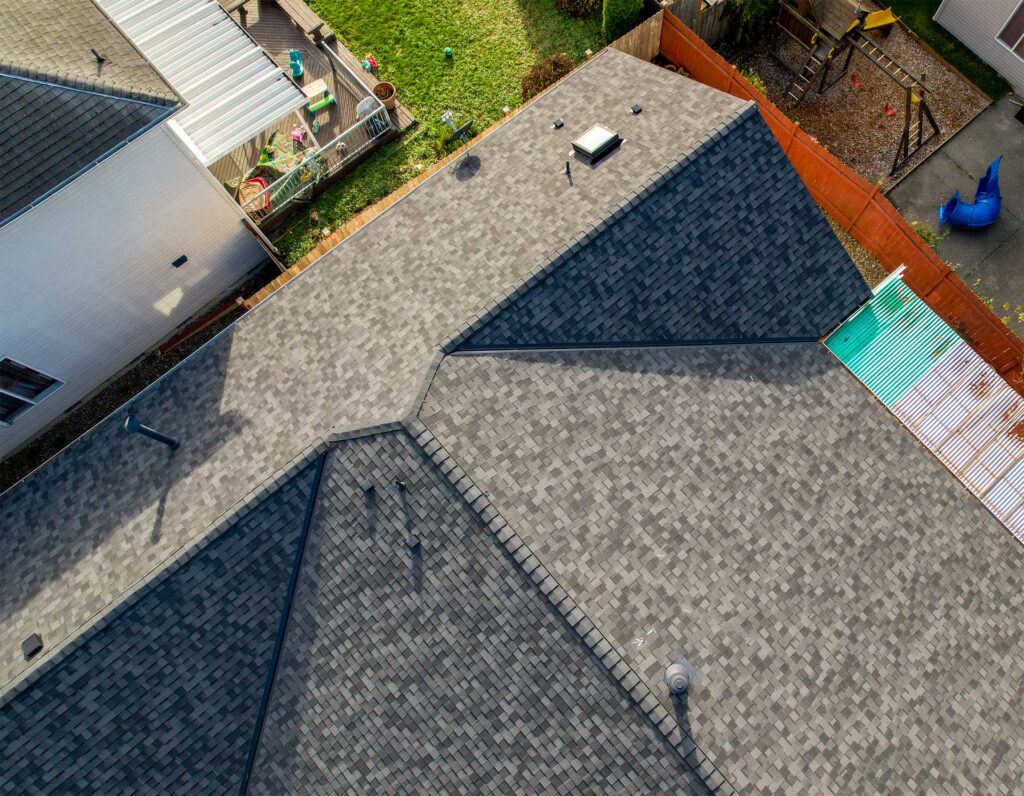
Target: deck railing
column 298, row 184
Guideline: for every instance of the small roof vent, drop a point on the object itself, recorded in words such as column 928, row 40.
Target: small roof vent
column 597, row 142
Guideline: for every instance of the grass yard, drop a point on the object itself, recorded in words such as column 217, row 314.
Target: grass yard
column 494, row 42
column 917, row 15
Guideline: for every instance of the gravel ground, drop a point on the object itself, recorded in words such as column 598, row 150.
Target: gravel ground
column 852, row 123
column 119, row 391
column 872, row 270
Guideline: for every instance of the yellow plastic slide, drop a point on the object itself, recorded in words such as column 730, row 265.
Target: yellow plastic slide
column 879, row 19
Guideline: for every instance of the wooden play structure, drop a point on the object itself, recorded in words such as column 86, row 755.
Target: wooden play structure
column 830, row 31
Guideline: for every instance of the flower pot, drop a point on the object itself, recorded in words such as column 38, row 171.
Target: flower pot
column 385, row 92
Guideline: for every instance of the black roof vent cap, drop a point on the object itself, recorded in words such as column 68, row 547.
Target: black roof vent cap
column 32, row 646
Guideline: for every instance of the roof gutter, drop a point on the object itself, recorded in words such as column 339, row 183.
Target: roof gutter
column 96, row 161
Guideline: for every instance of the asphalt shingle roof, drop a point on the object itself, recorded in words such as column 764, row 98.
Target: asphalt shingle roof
column 730, row 247
column 854, row 613
column 344, row 345
column 164, row 699
column 50, row 132
column 443, row 671
column 53, row 40
column 749, row 506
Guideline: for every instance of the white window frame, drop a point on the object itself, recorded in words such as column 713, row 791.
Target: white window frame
column 29, row 402
column 1012, row 47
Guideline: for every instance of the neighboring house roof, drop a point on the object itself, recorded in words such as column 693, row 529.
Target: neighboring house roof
column 54, row 40
column 232, row 87
column 60, row 108
column 51, row 132
column 724, row 470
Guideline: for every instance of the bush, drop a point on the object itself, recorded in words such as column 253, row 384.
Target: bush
column 755, row 80
column 751, row 18
column 618, row 17
column 577, row 8
column 543, row 73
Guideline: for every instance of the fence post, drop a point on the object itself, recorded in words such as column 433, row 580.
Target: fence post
column 793, row 130
column 863, row 207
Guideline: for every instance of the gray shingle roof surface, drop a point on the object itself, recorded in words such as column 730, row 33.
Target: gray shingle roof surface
column 344, row 345
column 50, row 132
column 164, row 699
column 53, row 40
column 442, row 672
column 730, row 247
column 854, row 613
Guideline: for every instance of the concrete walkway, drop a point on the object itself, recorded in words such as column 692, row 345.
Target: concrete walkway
column 991, row 261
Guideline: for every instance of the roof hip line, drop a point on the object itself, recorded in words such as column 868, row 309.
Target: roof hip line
column 282, row 628
column 584, row 238
column 614, row 665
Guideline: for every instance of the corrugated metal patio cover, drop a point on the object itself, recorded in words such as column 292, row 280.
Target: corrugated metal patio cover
column 232, row 87
column 943, row 392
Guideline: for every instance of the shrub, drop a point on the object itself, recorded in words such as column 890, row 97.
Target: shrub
column 543, row 73
column 618, row 17
column 755, row 80
column 577, row 8
column 751, row 18
column 928, row 233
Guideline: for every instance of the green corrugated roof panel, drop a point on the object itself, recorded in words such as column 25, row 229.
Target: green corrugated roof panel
column 892, row 341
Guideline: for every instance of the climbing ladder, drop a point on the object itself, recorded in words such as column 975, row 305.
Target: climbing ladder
column 874, row 52
column 804, row 79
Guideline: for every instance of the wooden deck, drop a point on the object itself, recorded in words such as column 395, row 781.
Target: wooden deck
column 271, row 27
column 277, row 33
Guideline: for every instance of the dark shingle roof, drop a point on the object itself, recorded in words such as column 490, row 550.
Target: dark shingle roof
column 50, row 132
column 165, row 698
column 345, row 345
column 53, row 40
column 730, row 247
column 447, row 671
column 853, row 612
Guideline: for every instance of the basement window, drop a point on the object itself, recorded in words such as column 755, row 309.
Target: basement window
column 21, row 388
column 1012, row 34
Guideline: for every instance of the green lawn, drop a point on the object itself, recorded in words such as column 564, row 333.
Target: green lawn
column 494, row 41
column 917, row 15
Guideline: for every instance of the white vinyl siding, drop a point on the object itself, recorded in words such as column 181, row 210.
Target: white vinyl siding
column 88, row 284
column 978, row 24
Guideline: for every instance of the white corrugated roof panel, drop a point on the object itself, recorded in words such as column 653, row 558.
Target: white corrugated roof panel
column 232, row 87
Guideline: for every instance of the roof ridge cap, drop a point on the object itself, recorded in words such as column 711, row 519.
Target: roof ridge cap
column 611, row 217
column 558, row 598
column 67, row 81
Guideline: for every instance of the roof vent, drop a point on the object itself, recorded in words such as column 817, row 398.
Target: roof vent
column 32, row 646
column 597, row 142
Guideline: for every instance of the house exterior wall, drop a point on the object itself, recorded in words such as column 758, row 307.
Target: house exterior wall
column 88, row 284
column 977, row 23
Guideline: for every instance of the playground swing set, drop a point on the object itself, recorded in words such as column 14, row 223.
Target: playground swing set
column 830, row 29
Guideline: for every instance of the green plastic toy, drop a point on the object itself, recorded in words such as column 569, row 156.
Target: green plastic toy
column 448, row 52
column 319, row 105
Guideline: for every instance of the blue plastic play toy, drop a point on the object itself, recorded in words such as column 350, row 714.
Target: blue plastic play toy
column 985, row 209
column 295, row 61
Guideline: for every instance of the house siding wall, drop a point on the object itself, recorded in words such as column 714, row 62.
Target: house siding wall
column 977, row 23
column 84, row 271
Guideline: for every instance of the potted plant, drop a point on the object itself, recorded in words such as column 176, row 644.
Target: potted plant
column 385, row 92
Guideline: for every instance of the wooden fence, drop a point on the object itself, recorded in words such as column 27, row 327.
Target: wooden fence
column 706, row 18
column 643, row 41
column 859, row 207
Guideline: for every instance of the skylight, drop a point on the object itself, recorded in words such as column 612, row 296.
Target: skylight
column 597, row 142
